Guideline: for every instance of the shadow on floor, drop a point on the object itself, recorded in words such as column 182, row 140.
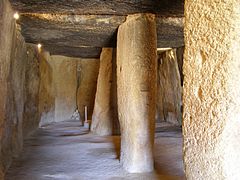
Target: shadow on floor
column 66, row 151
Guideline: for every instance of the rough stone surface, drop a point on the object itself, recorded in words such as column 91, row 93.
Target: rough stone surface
column 114, row 101
column 6, row 35
column 102, row 119
column 31, row 116
column 180, row 52
column 87, row 83
column 211, row 94
column 64, row 34
column 136, row 73
column 46, row 91
column 14, row 80
column 169, row 94
column 18, row 68
column 123, row 7
column 65, row 86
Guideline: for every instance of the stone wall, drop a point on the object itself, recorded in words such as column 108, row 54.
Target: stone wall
column 87, row 84
column 46, row 91
column 19, row 83
column 32, row 81
column 169, row 88
column 64, row 86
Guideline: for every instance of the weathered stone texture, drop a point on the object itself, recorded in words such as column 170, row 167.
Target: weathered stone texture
column 46, row 91
column 123, row 7
column 9, row 128
column 136, row 88
column 179, row 53
column 114, row 101
column 65, row 86
column 102, row 120
column 169, row 94
column 32, row 80
column 87, row 83
column 211, row 93
column 14, row 80
column 82, row 35
column 18, row 68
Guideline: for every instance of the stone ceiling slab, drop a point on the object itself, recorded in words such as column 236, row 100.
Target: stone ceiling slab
column 96, row 7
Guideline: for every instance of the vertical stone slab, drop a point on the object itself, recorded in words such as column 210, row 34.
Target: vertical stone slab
column 31, row 115
column 6, row 36
column 87, row 84
column 169, row 88
column 102, row 120
column 65, row 86
column 46, row 91
column 18, row 69
column 211, row 90
column 114, row 104
column 136, row 78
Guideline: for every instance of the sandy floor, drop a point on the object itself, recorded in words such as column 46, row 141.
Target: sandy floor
column 66, row 151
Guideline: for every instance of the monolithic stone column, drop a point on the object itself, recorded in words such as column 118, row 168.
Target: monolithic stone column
column 136, row 78
column 211, row 98
column 102, row 119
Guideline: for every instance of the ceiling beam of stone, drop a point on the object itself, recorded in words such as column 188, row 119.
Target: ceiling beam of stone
column 78, row 31
column 81, row 27
column 95, row 7
column 83, row 52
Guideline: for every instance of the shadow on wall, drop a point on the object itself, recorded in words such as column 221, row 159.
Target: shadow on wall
column 169, row 96
column 19, row 79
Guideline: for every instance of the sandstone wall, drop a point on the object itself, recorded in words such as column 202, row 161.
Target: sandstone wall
column 18, row 69
column 7, row 35
column 65, row 86
column 169, row 88
column 87, row 84
column 32, row 81
column 66, row 83
column 15, row 80
column 46, row 91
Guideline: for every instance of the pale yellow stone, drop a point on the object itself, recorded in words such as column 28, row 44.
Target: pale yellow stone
column 87, row 84
column 136, row 88
column 102, row 119
column 211, row 93
column 65, row 86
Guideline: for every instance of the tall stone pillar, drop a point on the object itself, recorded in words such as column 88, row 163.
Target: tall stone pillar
column 102, row 120
column 136, row 78
column 211, row 99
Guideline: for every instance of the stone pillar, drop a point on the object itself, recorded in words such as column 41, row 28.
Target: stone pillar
column 136, row 78
column 102, row 120
column 211, row 94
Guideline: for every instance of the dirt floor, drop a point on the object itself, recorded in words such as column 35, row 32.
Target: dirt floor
column 66, row 151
